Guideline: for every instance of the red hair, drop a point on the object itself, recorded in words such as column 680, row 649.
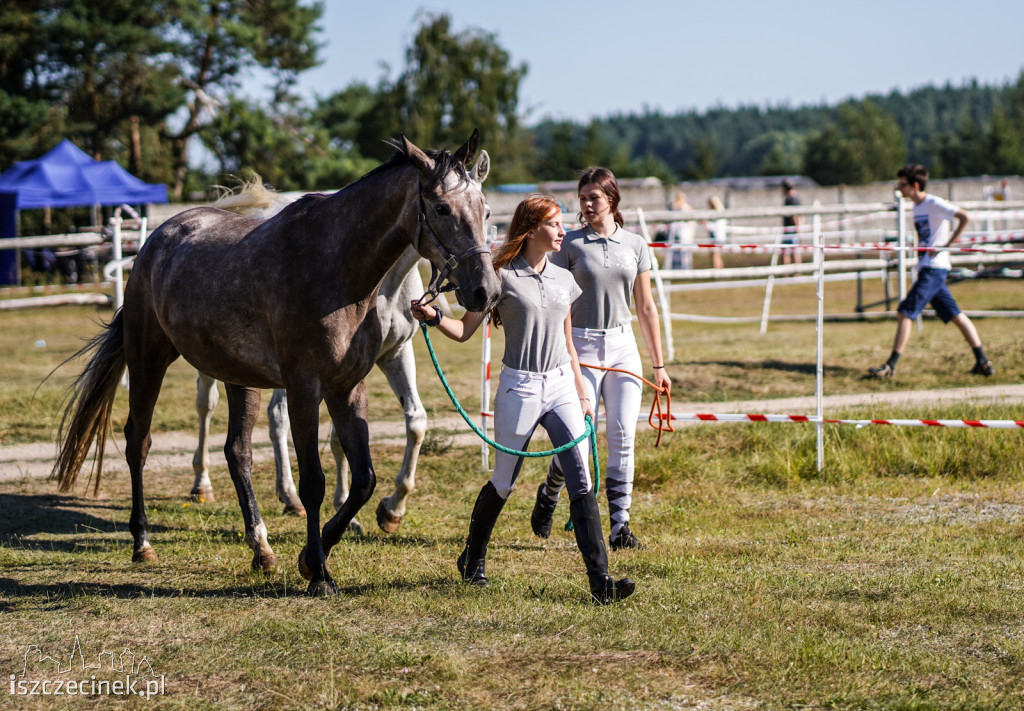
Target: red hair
column 529, row 214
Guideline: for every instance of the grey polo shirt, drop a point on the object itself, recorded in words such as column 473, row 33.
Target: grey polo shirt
column 605, row 268
column 533, row 308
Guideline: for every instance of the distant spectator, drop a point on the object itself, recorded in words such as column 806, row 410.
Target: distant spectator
column 932, row 218
column 681, row 233
column 790, row 223
column 1000, row 194
column 716, row 232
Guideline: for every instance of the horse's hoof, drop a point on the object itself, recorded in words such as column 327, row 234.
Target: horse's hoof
column 388, row 522
column 355, row 527
column 144, row 555
column 304, row 570
column 294, row 510
column 202, row 495
column 322, row 588
column 267, row 562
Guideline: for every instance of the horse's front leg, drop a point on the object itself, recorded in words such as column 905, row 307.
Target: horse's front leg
column 277, row 413
column 206, row 400
column 304, row 413
column 243, row 408
column 401, row 374
column 349, row 417
column 341, row 480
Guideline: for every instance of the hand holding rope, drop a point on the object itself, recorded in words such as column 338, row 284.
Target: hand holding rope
column 664, row 423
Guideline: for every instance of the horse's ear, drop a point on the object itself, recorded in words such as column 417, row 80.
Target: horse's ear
column 468, row 149
column 481, row 168
column 416, row 156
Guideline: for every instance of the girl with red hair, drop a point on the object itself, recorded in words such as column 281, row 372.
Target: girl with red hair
column 540, row 383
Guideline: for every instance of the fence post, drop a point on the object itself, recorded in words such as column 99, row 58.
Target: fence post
column 901, row 240
column 485, row 391
column 766, row 306
column 819, row 373
column 659, row 283
column 115, row 223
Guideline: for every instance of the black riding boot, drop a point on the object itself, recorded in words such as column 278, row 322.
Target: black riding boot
column 481, row 523
column 542, row 518
column 586, row 524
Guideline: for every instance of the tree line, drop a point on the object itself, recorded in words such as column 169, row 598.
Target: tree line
column 144, row 81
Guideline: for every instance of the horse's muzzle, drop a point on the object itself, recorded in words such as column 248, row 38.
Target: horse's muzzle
column 476, row 285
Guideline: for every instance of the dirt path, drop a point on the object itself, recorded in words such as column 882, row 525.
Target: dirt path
column 173, row 450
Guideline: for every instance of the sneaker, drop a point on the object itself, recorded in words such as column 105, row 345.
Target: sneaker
column 881, row 371
column 625, row 539
column 985, row 369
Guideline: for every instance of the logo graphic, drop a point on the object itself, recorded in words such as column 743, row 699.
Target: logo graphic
column 924, row 232
column 624, row 259
column 110, row 674
column 560, row 295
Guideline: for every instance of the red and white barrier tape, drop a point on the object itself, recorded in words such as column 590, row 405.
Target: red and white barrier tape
column 980, row 424
column 812, row 419
column 860, row 247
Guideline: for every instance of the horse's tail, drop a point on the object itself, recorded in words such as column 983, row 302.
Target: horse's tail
column 86, row 417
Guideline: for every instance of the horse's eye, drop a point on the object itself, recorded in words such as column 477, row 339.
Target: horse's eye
column 443, row 209
column 487, row 214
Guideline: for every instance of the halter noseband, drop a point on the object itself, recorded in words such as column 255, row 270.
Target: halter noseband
column 438, row 276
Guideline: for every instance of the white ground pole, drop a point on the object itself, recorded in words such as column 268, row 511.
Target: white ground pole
column 819, row 379
column 663, row 303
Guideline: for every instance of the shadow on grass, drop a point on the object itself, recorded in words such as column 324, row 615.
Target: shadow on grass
column 28, row 515
column 52, row 592
column 12, row 588
column 781, row 365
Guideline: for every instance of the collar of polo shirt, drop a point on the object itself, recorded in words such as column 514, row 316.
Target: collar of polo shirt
column 592, row 236
column 520, row 267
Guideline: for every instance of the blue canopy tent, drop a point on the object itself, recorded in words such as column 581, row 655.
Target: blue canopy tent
column 65, row 177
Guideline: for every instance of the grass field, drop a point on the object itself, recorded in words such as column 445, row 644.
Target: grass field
column 893, row 580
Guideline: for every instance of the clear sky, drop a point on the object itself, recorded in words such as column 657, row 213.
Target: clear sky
column 596, row 57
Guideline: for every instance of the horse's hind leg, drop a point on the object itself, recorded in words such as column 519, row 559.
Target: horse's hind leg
column 147, row 364
column 401, row 374
column 277, row 413
column 206, row 400
column 349, row 417
column 243, row 408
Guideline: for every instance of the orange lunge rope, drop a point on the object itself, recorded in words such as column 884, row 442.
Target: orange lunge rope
column 664, row 423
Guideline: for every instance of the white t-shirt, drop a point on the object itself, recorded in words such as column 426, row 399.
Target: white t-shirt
column 931, row 220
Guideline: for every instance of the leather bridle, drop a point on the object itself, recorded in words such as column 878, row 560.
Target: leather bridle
column 451, row 261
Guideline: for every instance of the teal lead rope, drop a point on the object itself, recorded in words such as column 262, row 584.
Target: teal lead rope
column 590, row 432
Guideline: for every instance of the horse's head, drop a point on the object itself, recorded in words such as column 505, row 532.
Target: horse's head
column 452, row 216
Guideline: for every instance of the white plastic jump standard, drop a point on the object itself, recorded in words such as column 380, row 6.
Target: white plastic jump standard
column 663, row 299
column 485, row 393
column 819, row 379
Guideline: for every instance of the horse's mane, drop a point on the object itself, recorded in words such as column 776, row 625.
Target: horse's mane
column 252, row 199
column 444, row 164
